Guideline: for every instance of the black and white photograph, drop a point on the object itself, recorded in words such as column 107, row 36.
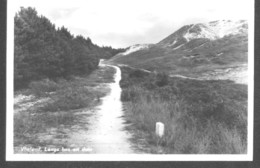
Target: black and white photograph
column 130, row 80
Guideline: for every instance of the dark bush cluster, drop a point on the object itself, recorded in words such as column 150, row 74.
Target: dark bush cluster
column 40, row 88
column 70, row 98
column 43, row 51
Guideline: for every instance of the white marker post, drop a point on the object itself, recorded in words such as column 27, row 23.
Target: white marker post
column 159, row 129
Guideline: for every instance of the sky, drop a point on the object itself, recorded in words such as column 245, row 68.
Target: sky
column 122, row 23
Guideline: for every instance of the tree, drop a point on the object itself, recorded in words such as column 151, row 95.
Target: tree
column 42, row 51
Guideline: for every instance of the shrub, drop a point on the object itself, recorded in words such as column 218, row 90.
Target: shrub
column 199, row 116
column 131, row 94
column 162, row 79
column 40, row 88
column 70, row 98
column 25, row 126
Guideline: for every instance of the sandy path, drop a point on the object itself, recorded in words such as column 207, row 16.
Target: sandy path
column 99, row 130
column 106, row 133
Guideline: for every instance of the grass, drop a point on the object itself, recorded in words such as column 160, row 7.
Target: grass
column 208, row 117
column 54, row 102
column 76, row 93
column 189, row 60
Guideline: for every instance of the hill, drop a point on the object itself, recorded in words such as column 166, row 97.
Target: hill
column 198, row 50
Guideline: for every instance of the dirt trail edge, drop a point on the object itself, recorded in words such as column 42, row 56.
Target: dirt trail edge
column 106, row 132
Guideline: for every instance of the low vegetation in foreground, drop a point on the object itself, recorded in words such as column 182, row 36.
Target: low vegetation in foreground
column 200, row 117
column 52, row 104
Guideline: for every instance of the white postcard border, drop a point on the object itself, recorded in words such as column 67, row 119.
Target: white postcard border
column 10, row 156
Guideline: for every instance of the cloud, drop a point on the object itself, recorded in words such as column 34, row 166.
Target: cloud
column 121, row 23
column 152, row 35
column 62, row 13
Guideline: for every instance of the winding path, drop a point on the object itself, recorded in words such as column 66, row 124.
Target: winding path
column 106, row 133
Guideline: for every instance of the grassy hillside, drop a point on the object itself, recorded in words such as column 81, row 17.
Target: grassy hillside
column 195, row 57
column 199, row 116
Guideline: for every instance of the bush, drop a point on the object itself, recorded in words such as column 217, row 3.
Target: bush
column 162, row 79
column 199, row 116
column 70, row 98
column 137, row 74
column 25, row 127
column 40, row 88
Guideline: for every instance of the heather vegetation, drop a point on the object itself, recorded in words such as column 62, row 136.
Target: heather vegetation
column 194, row 58
column 56, row 75
column 199, row 116
column 52, row 104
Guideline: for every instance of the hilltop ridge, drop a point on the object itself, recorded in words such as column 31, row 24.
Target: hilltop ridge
column 194, row 50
